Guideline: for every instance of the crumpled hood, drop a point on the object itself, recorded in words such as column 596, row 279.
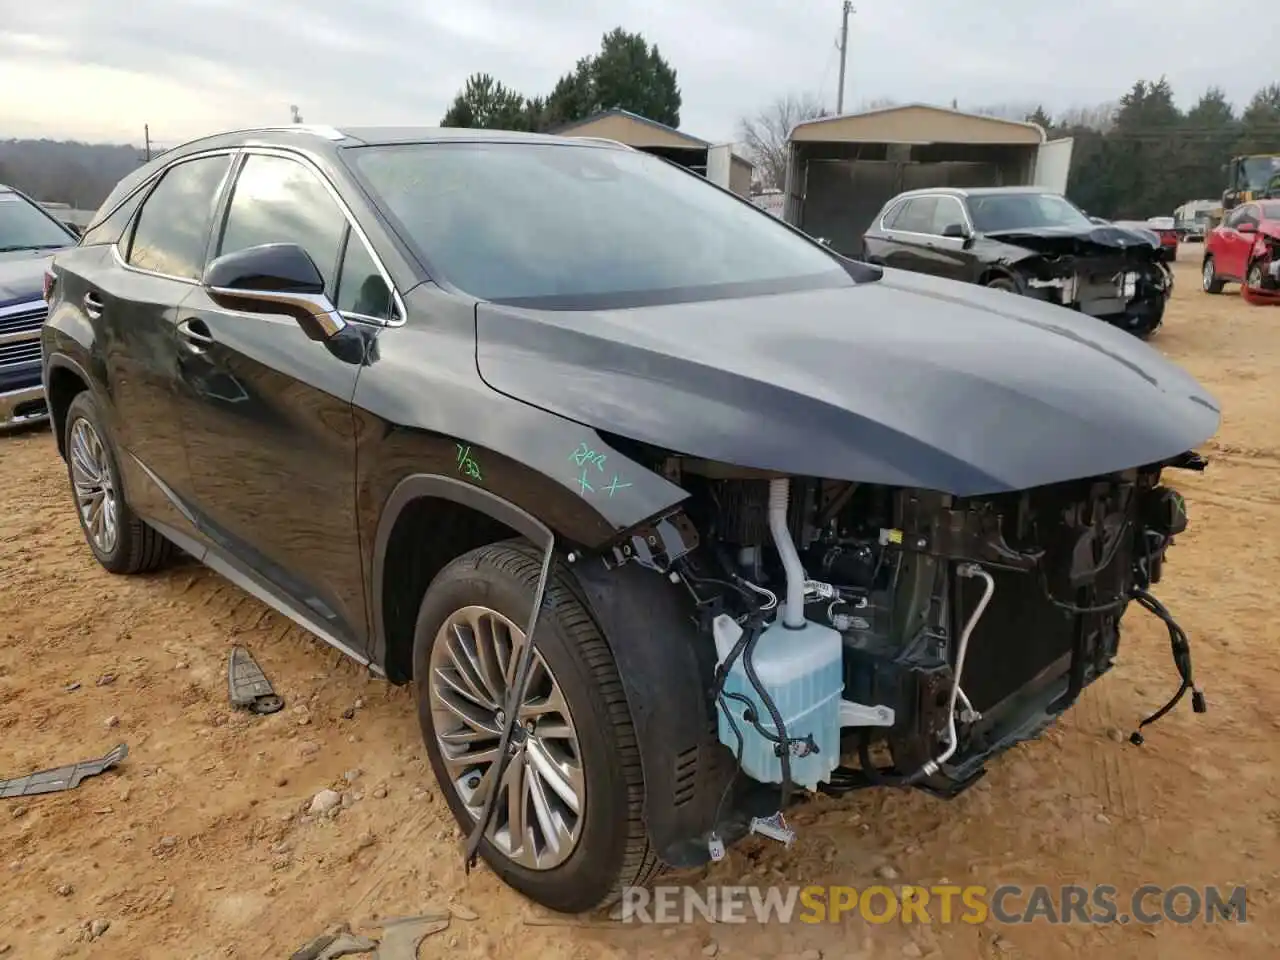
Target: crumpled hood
column 1100, row 239
column 22, row 275
column 910, row 380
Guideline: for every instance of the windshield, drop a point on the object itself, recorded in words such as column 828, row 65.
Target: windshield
column 995, row 212
column 1258, row 171
column 24, row 226
column 578, row 226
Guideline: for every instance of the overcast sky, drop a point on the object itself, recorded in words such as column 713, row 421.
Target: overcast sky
column 100, row 69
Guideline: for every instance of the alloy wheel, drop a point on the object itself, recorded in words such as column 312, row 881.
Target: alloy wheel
column 1206, row 274
column 1254, row 281
column 541, row 802
column 94, row 489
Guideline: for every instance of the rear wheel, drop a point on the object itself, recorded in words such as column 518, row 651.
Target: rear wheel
column 568, row 823
column 120, row 540
column 1003, row 283
column 1209, row 278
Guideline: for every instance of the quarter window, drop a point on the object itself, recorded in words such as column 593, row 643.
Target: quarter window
column 277, row 200
column 172, row 231
column 361, row 289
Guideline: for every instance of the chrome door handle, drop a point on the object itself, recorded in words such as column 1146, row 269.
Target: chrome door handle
column 195, row 333
column 92, row 305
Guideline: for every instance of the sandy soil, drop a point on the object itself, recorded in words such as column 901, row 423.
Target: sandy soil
column 198, row 845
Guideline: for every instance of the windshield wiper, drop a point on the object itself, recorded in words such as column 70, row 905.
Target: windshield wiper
column 32, row 246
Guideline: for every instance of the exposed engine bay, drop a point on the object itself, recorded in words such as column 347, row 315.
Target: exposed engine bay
column 1125, row 286
column 874, row 636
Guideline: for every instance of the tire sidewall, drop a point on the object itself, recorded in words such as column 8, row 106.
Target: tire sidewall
column 593, row 868
column 84, row 406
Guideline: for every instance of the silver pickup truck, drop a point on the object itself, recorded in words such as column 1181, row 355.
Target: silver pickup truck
column 29, row 237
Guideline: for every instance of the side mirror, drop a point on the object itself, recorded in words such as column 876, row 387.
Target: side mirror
column 277, row 278
column 955, row 231
column 1247, row 227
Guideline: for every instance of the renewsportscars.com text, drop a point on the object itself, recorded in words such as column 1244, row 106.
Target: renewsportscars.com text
column 940, row 903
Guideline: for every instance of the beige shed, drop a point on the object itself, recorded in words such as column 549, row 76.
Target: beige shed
column 842, row 170
column 717, row 162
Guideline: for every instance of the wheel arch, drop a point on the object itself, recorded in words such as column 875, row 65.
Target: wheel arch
column 64, row 381
column 427, row 521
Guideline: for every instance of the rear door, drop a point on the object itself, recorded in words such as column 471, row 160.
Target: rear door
column 905, row 233
column 128, row 292
column 269, row 425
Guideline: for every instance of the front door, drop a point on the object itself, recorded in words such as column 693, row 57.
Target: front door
column 270, row 431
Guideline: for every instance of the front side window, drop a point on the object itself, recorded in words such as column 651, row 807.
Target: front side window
column 947, row 214
column 24, row 226
column 278, row 200
column 574, row 226
column 172, row 231
column 993, row 213
column 1270, row 211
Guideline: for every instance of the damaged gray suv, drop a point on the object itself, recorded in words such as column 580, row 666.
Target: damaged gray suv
column 668, row 513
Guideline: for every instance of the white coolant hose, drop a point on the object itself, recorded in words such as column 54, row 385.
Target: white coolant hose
column 793, row 611
column 962, row 647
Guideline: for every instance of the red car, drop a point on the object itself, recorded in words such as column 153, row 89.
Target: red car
column 1245, row 249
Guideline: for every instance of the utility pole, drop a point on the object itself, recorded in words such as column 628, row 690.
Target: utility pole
column 146, row 134
column 844, row 49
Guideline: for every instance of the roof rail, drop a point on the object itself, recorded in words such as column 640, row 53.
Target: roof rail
column 612, row 143
column 318, row 129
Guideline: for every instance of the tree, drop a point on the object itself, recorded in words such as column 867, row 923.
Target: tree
column 1260, row 122
column 765, row 134
column 1211, row 130
column 627, row 74
column 487, row 104
column 630, row 75
column 1040, row 118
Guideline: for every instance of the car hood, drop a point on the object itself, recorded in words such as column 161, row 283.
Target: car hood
column 1100, row 239
column 910, row 380
column 22, row 275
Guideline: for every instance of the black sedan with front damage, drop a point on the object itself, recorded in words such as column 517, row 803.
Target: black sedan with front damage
column 667, row 513
column 1026, row 241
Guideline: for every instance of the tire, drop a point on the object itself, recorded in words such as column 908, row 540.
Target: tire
column 1253, row 278
column 612, row 850
column 136, row 547
column 1002, row 283
column 1210, row 282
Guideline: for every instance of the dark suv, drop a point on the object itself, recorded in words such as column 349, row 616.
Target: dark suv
column 661, row 506
column 28, row 238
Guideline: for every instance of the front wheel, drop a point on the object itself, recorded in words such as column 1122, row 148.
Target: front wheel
column 1254, row 280
column 568, row 823
column 1002, row 283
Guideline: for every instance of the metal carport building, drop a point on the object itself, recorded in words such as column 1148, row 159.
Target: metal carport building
column 842, row 170
column 716, row 162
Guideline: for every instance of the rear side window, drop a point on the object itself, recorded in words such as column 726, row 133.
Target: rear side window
column 172, row 232
column 278, row 200
column 918, row 216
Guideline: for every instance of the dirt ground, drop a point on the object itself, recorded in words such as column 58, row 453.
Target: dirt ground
column 198, row 845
